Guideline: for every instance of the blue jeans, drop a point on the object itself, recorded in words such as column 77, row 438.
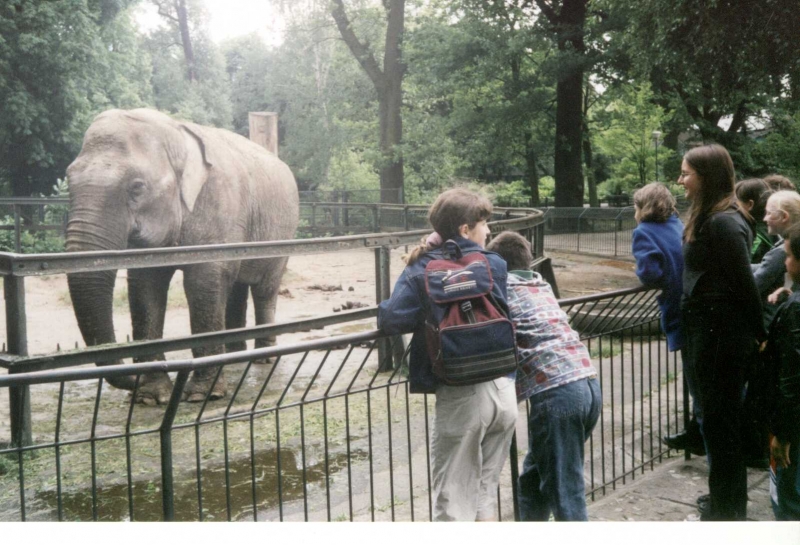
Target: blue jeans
column 560, row 421
column 788, row 481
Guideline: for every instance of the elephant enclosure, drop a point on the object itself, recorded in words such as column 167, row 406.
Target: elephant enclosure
column 321, row 435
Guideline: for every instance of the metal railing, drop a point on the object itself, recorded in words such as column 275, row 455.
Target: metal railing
column 320, row 434
column 598, row 231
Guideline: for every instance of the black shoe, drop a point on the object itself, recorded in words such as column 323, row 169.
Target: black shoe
column 686, row 441
column 704, row 506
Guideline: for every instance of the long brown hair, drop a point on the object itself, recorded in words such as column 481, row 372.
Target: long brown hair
column 714, row 166
column 452, row 209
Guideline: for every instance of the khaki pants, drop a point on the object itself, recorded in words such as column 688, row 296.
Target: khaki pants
column 472, row 434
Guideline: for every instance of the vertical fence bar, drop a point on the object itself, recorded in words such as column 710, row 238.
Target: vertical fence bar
column 165, row 432
column 17, row 336
column 388, row 349
column 17, row 231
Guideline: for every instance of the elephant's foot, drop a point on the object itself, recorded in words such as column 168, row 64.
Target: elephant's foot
column 198, row 388
column 127, row 382
column 154, row 390
column 265, row 343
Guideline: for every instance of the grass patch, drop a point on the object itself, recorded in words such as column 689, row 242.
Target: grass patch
column 605, row 347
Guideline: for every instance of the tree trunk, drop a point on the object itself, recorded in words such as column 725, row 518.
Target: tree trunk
column 587, row 158
column 567, row 23
column 569, row 136
column 186, row 40
column 531, row 168
column 388, row 84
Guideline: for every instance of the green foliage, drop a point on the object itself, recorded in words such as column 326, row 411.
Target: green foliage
column 630, row 116
column 61, row 63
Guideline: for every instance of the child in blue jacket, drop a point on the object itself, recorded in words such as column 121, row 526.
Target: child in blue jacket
column 657, row 248
column 473, row 424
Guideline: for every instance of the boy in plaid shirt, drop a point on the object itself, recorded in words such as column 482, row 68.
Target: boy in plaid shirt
column 556, row 375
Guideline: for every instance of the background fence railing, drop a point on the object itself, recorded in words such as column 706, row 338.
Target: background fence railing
column 320, row 434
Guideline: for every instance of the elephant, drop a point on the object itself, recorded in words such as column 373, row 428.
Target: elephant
column 144, row 180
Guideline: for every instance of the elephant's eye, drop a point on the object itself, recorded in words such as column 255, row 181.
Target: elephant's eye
column 136, row 188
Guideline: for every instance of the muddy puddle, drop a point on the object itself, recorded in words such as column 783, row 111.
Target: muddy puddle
column 113, row 502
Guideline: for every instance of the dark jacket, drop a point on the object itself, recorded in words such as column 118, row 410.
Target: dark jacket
column 406, row 309
column 659, row 263
column 716, row 267
column 784, row 351
column 769, row 276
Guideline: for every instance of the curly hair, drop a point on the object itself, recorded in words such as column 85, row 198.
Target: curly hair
column 655, row 203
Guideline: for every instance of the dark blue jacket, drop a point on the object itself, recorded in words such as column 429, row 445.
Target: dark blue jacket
column 657, row 248
column 406, row 309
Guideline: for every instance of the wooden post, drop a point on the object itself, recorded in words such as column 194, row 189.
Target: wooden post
column 264, row 130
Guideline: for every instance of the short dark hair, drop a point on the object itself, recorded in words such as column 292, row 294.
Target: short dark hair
column 793, row 236
column 512, row 247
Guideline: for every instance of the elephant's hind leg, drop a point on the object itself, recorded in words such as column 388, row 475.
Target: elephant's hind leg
column 236, row 314
column 265, row 299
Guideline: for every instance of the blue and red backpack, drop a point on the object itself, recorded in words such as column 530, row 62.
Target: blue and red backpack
column 469, row 337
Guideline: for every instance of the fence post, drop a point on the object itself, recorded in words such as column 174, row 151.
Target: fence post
column 617, row 228
column 313, row 223
column 17, row 231
column 165, row 432
column 346, row 212
column 579, row 230
column 375, row 219
column 17, row 335
column 383, row 258
column 264, row 130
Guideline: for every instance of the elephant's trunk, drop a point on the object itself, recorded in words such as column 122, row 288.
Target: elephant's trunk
column 92, row 293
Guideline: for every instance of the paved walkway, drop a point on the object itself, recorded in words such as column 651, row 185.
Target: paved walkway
column 668, row 493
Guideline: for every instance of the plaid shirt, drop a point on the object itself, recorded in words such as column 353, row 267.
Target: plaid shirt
column 550, row 351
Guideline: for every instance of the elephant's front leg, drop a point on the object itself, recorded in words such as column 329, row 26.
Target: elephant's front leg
column 147, row 295
column 207, row 287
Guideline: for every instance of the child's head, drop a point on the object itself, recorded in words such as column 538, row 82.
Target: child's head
column 654, row 202
column 782, row 211
column 514, row 249
column 777, row 182
column 752, row 195
column 458, row 207
column 792, row 246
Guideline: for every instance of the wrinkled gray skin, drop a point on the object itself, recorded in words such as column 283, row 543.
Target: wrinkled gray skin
column 143, row 180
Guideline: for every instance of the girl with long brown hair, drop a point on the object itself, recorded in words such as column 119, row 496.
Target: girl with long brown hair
column 721, row 312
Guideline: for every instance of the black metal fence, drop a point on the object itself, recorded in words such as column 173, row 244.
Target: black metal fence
column 599, row 231
column 320, row 434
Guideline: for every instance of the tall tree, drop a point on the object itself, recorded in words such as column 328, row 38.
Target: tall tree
column 388, row 83
column 566, row 20
column 61, row 63
column 716, row 64
column 175, row 11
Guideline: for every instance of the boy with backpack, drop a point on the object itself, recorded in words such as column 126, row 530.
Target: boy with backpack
column 556, row 375
column 452, row 297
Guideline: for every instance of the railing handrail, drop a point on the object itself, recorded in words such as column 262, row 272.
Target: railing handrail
column 190, row 364
column 13, row 264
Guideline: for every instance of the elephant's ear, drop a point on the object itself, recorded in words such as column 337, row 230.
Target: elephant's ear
column 195, row 166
